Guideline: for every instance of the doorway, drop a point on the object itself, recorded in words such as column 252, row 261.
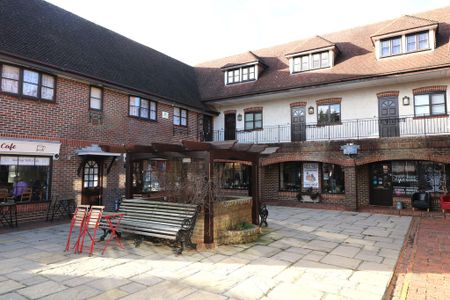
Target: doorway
column 381, row 184
column 388, row 114
column 298, row 123
column 91, row 193
column 230, row 126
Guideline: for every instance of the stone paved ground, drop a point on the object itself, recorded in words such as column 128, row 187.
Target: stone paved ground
column 424, row 269
column 305, row 254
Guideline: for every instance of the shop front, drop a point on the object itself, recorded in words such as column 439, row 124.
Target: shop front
column 397, row 180
column 26, row 170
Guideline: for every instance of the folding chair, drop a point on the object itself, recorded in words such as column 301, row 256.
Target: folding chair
column 92, row 220
column 78, row 219
column 26, row 195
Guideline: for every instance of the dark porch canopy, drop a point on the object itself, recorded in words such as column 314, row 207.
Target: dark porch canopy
column 208, row 152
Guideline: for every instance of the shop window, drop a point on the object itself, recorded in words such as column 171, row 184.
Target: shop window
column 21, row 173
column 290, row 176
column 235, row 176
column 149, row 175
column 409, row 177
column 332, row 179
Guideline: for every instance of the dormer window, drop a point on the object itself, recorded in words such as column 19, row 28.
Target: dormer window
column 311, row 61
column 417, row 42
column 241, row 74
column 390, row 47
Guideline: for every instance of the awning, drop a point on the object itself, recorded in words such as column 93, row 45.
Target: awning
column 95, row 150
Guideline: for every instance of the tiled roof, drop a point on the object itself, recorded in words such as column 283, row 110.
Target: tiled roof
column 38, row 31
column 404, row 23
column 245, row 58
column 356, row 60
column 314, row 43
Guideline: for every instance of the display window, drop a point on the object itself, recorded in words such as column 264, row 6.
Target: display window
column 25, row 178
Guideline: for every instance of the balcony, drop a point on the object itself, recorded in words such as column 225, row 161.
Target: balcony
column 405, row 126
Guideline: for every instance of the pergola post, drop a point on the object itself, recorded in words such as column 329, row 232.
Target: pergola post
column 209, row 204
column 129, row 176
column 255, row 193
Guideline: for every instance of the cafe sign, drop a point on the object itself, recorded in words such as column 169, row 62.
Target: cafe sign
column 10, row 146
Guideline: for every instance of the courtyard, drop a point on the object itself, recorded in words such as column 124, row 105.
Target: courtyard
column 318, row 254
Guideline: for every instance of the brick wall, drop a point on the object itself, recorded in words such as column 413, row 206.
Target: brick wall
column 70, row 121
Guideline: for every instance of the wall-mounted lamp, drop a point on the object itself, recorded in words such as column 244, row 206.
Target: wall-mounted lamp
column 405, row 100
column 239, row 117
column 311, row 110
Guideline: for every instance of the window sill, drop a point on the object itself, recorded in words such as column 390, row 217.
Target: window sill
column 250, row 130
column 23, row 97
column 328, row 124
column 430, row 117
column 310, row 70
column 244, row 81
column 405, row 53
column 142, row 119
column 180, row 126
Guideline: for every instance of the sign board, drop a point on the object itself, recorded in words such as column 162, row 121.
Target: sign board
column 310, row 175
column 165, row 115
column 10, row 146
column 350, row 149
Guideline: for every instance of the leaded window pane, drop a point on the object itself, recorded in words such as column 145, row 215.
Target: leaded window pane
column 396, row 46
column 411, row 43
column 423, row 41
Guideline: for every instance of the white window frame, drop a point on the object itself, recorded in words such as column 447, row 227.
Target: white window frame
column 305, row 62
column 237, row 75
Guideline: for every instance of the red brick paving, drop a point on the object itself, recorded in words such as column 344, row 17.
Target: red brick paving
column 423, row 270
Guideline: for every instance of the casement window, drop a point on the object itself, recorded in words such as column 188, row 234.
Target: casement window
column 417, row 42
column 392, row 46
column 332, row 179
column 253, row 120
column 27, row 83
column 290, row 176
column 180, row 116
column 142, row 108
column 241, row 74
column 96, row 98
column 311, row 62
column 328, row 114
column 432, row 104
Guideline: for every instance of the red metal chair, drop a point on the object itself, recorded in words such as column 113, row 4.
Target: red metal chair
column 444, row 201
column 78, row 220
column 92, row 220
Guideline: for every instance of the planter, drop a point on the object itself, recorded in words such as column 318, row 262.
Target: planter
column 229, row 237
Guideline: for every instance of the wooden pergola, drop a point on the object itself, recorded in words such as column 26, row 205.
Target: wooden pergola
column 209, row 152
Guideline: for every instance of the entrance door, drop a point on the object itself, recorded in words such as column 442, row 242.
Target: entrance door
column 298, row 123
column 381, row 184
column 230, row 127
column 91, row 194
column 207, row 128
column 388, row 113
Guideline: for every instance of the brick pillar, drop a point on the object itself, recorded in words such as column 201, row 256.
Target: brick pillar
column 269, row 183
column 350, row 188
column 362, row 173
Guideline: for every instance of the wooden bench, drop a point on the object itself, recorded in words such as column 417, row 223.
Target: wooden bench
column 158, row 219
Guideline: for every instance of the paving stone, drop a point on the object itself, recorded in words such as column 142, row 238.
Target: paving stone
column 41, row 290
column 288, row 256
column 287, row 290
column 321, row 245
column 341, row 261
column 389, row 253
column 12, row 296
column 110, row 295
column 252, row 288
column 262, row 251
column 105, row 284
column 79, row 292
column 346, row 251
column 202, row 295
column 163, row 290
column 315, row 255
column 9, row 286
column 133, row 287
column 147, row 279
column 370, row 256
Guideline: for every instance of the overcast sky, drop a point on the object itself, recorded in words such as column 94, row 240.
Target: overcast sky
column 195, row 31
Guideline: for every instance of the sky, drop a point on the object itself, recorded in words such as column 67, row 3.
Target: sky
column 195, row 31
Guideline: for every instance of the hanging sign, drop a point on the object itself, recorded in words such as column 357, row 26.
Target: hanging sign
column 310, row 175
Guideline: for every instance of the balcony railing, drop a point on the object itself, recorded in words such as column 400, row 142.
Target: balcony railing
column 406, row 126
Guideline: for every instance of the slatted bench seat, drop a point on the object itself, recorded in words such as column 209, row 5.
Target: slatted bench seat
column 158, row 219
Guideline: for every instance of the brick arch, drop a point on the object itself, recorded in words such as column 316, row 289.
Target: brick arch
column 411, row 155
column 305, row 158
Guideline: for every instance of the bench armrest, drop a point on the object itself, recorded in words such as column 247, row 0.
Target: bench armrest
column 188, row 224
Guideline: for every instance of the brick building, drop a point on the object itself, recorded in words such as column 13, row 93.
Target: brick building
column 77, row 99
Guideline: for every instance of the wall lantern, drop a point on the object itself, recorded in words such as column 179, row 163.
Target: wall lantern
column 239, row 117
column 405, row 100
column 311, row 110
